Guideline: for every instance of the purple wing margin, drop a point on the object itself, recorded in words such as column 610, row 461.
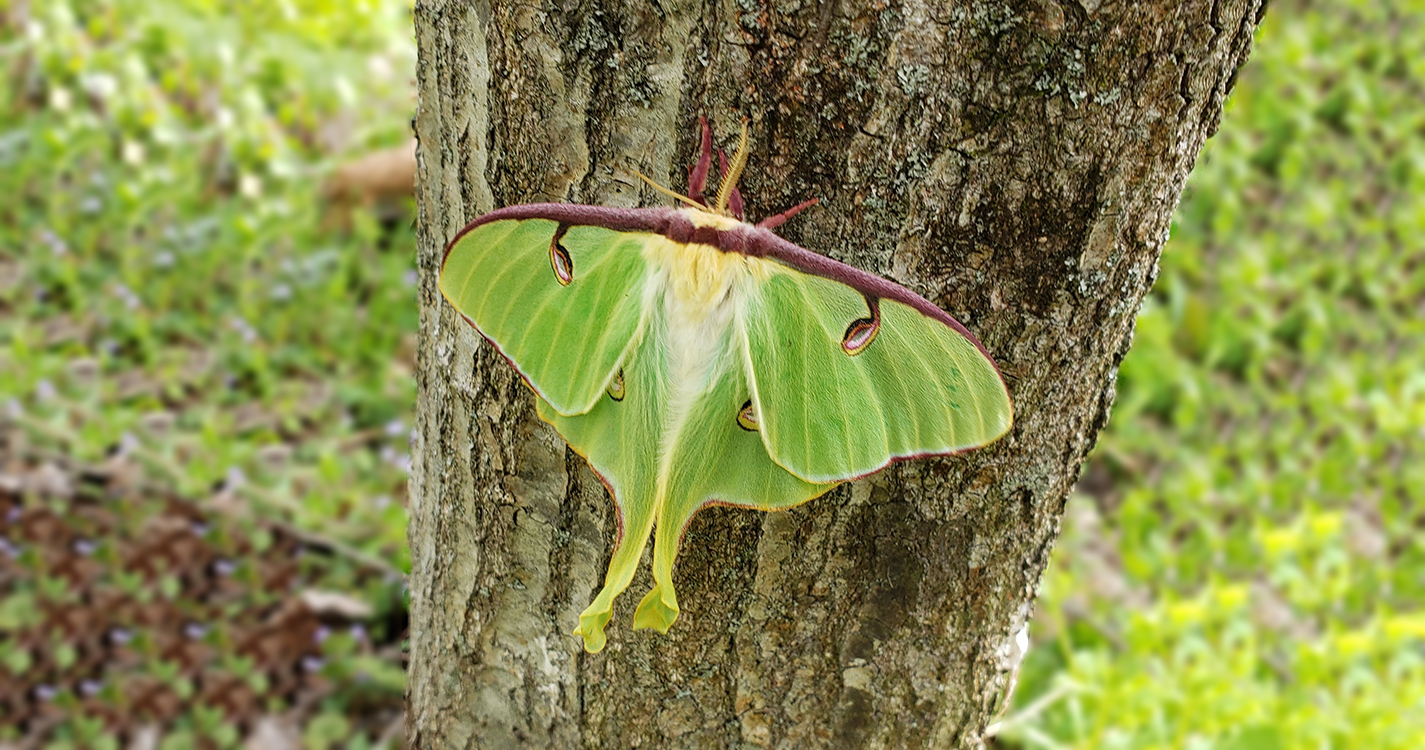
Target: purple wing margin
column 747, row 239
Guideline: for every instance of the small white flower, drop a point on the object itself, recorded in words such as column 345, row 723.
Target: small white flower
column 250, row 186
column 132, row 153
column 60, row 99
column 100, row 85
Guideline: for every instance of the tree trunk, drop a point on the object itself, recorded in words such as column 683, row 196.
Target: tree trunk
column 1017, row 163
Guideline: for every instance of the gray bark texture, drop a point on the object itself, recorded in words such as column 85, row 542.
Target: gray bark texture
column 1017, row 163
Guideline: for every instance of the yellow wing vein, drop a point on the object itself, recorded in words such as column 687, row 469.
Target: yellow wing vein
column 470, row 272
column 933, row 377
column 602, row 341
column 834, row 373
column 895, row 365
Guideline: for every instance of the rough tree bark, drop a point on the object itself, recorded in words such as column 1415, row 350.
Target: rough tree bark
column 1015, row 162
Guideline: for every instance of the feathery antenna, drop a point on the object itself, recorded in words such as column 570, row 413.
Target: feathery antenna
column 667, row 192
column 729, row 181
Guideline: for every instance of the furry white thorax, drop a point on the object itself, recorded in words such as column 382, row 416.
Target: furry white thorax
column 704, row 292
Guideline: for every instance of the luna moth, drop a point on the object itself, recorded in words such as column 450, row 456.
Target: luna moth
column 692, row 358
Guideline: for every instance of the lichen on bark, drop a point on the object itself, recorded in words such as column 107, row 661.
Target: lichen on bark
column 1015, row 162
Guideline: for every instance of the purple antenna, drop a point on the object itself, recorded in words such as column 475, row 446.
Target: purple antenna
column 772, row 222
column 698, row 177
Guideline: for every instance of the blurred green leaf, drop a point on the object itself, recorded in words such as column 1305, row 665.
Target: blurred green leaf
column 1242, row 568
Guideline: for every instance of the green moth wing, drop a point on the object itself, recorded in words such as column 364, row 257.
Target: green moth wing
column 665, row 442
column 519, row 288
column 842, row 382
column 666, row 449
column 694, row 359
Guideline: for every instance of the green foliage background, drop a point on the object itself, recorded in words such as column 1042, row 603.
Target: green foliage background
column 169, row 285
column 170, row 298
column 1240, row 566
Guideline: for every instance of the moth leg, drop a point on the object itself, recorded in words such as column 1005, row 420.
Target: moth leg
column 772, row 222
